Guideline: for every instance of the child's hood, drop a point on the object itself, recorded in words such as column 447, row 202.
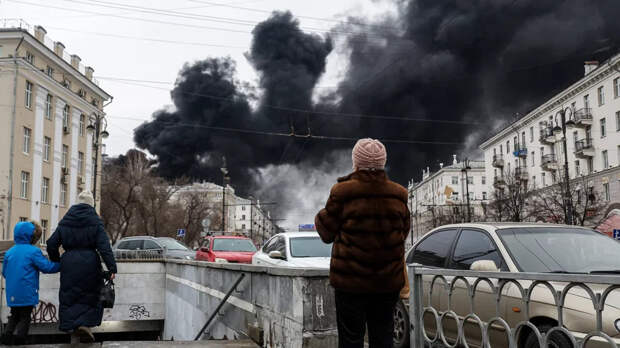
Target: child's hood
column 23, row 232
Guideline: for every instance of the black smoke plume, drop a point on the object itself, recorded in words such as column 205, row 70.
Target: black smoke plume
column 465, row 65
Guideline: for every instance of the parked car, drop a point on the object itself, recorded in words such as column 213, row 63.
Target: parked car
column 517, row 247
column 139, row 246
column 226, row 249
column 294, row 249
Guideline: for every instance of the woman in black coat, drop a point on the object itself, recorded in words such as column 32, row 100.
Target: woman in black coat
column 81, row 234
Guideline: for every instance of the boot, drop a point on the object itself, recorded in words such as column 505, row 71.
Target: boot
column 85, row 335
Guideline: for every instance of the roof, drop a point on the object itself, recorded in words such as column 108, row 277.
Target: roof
column 298, row 234
column 230, row 237
column 503, row 225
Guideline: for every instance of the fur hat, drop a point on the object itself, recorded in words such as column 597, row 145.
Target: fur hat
column 86, row 197
column 368, row 154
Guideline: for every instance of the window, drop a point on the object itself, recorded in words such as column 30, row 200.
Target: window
column 522, row 140
column 617, row 87
column 543, row 180
column 65, row 117
column 455, row 180
column 30, row 57
column 508, row 146
column 586, row 101
column 533, row 159
column 534, row 180
column 470, row 180
column 433, row 250
column 484, row 196
column 589, row 132
column 514, row 143
column 63, row 194
column 49, row 71
column 23, row 219
column 243, row 226
column 573, row 105
column 47, row 145
column 80, row 163
column 25, row 184
column 531, row 134
column 27, row 136
column 501, row 149
column 617, row 121
column 150, row 245
column 590, row 165
column 575, row 135
column 601, row 96
column 28, row 94
column 603, row 131
column 483, row 180
column 65, row 153
column 44, row 228
column 577, row 170
column 605, row 159
column 82, row 124
column 242, row 217
column 48, row 107
column 135, row 244
column 474, row 246
column 606, row 190
column 243, row 207
column 45, row 188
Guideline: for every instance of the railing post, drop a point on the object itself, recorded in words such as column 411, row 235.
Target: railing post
column 416, row 306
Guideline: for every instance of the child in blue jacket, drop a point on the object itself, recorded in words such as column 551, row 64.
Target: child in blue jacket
column 21, row 267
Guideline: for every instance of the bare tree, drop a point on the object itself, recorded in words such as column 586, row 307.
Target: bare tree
column 510, row 199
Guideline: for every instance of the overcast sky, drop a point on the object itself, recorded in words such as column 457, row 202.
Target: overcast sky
column 119, row 47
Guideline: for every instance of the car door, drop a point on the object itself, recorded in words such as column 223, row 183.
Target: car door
column 152, row 247
column 262, row 257
column 475, row 245
column 433, row 251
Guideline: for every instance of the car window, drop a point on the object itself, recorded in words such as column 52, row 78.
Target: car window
column 433, row 250
column 135, row 244
column 309, row 247
column 206, row 243
column 473, row 246
column 233, row 244
column 270, row 245
column 151, row 245
column 280, row 245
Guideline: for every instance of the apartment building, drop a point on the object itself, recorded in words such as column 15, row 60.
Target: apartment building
column 531, row 149
column 443, row 195
column 47, row 151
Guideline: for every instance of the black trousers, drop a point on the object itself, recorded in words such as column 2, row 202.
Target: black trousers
column 355, row 312
column 18, row 326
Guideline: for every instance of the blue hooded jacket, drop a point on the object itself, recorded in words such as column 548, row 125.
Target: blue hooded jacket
column 21, row 267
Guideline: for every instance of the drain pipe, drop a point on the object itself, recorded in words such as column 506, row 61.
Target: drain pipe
column 12, row 147
column 219, row 306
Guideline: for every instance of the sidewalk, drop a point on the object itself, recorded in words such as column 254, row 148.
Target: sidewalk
column 145, row 344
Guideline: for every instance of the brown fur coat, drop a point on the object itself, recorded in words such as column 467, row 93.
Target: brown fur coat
column 367, row 219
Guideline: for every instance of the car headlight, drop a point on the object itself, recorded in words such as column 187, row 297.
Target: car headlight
column 617, row 324
column 217, row 259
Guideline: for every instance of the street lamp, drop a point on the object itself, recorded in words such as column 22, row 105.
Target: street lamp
column 568, row 204
column 225, row 181
column 99, row 125
column 466, row 168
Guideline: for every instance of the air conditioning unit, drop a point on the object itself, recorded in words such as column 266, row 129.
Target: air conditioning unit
column 65, row 129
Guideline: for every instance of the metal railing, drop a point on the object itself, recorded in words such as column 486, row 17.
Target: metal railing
column 498, row 160
column 138, row 255
column 583, row 144
column 559, row 286
column 582, row 114
column 548, row 158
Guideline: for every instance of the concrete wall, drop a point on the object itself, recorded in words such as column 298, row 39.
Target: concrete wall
column 292, row 308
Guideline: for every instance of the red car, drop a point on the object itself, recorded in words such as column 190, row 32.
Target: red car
column 226, row 249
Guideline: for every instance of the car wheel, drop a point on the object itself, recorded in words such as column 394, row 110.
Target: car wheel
column 558, row 339
column 401, row 325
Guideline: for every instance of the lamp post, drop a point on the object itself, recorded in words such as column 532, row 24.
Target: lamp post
column 97, row 124
column 557, row 130
column 465, row 170
column 225, row 181
column 411, row 211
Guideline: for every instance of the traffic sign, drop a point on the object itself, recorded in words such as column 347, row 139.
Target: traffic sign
column 181, row 232
column 617, row 234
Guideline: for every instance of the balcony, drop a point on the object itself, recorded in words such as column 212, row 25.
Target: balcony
column 549, row 162
column 583, row 117
column 521, row 152
column 521, row 174
column 584, row 148
column 498, row 161
column 546, row 136
column 499, row 182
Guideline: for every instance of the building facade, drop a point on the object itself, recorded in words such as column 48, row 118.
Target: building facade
column 531, row 149
column 441, row 197
column 47, row 101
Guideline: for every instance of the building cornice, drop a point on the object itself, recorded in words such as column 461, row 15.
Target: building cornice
column 600, row 73
column 31, row 40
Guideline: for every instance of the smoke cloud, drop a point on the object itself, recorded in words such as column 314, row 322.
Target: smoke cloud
column 461, row 66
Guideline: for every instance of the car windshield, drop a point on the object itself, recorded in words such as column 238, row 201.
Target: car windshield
column 232, row 244
column 309, row 247
column 172, row 244
column 554, row 249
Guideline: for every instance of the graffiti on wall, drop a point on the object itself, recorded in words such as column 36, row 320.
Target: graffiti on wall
column 137, row 312
column 45, row 312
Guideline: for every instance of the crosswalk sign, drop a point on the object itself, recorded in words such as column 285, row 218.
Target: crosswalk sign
column 181, row 232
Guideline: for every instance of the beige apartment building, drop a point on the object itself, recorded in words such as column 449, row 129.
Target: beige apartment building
column 47, row 153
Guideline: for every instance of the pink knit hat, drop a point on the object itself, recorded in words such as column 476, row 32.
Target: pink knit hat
column 368, row 154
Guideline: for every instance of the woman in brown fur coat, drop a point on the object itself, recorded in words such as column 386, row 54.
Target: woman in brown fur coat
column 367, row 219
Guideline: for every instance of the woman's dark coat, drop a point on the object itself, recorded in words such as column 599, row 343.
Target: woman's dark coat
column 367, row 219
column 81, row 234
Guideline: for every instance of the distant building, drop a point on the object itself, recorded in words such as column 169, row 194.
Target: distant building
column 531, row 148
column 47, row 153
column 440, row 197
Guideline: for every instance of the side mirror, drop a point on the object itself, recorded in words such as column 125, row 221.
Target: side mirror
column 204, row 249
column 484, row 266
column 276, row 255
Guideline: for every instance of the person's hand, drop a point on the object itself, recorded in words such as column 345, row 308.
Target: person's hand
column 112, row 275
